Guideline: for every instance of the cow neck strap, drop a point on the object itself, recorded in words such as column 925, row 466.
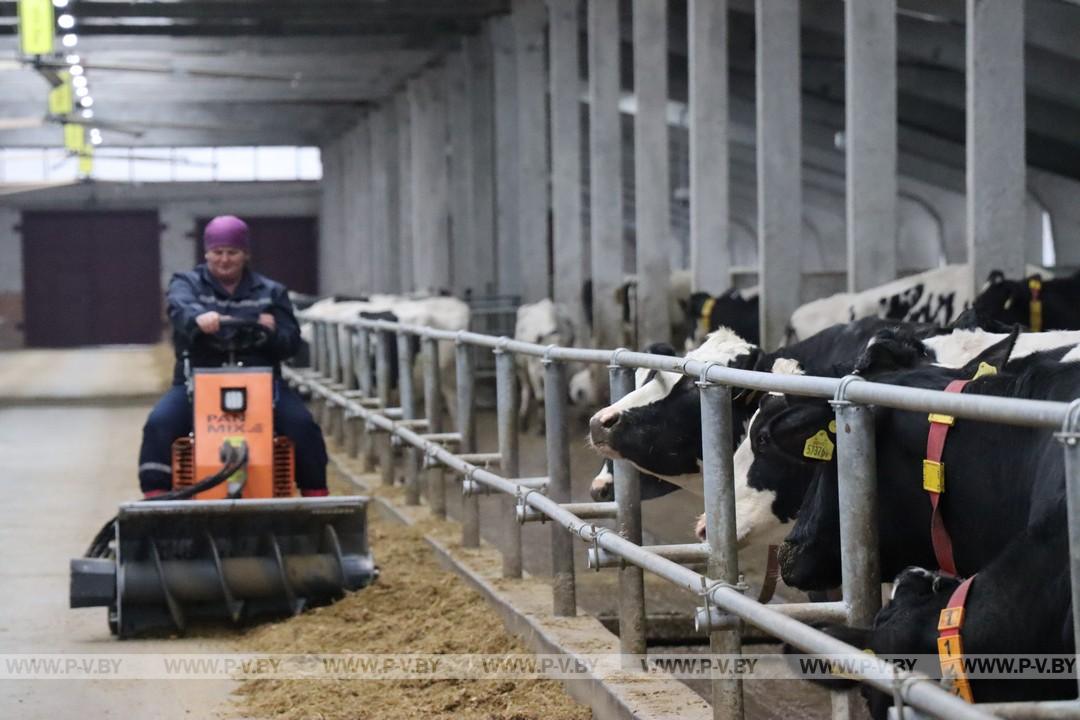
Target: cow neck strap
column 950, row 646
column 706, row 314
column 934, row 481
column 1035, row 307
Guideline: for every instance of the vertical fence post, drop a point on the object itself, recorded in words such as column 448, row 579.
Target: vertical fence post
column 340, row 351
column 628, row 523
column 408, row 412
column 718, row 473
column 470, row 504
column 558, row 464
column 348, row 358
column 383, row 341
column 333, row 355
column 364, row 380
column 506, row 400
column 1070, row 436
column 433, row 408
column 351, row 425
column 317, row 363
column 856, row 458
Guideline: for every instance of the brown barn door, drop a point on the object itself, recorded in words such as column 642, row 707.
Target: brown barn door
column 285, row 249
column 91, row 278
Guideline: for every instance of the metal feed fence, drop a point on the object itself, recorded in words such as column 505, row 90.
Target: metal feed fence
column 341, row 381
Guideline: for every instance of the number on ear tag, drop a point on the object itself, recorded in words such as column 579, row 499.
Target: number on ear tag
column 818, row 446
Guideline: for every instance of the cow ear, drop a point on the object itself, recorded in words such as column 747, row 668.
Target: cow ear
column 995, row 356
column 995, row 277
column 891, row 349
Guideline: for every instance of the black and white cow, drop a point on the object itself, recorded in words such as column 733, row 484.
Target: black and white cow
column 734, row 309
column 1009, row 301
column 658, row 426
column 936, row 297
column 602, row 488
column 999, row 477
column 1019, row 604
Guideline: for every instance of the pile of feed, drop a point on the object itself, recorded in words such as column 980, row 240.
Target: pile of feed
column 414, row 607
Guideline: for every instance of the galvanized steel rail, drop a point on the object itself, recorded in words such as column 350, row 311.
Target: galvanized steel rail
column 342, row 364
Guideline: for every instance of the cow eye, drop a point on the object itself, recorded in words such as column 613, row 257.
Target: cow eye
column 762, row 440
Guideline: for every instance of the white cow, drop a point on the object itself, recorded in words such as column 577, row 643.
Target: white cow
column 542, row 323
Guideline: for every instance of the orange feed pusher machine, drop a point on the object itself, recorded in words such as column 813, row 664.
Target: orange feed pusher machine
column 236, row 545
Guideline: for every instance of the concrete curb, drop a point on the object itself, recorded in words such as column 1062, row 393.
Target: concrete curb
column 525, row 608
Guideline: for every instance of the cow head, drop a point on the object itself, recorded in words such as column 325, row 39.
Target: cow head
column 658, row 426
column 1004, row 301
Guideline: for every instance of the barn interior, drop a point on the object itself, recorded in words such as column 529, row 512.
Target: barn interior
column 507, row 151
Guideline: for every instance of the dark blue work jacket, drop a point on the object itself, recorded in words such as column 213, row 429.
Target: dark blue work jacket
column 195, row 292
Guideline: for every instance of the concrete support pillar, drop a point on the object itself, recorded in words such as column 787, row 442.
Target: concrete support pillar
column 570, row 251
column 481, row 98
column 651, row 171
column 605, row 171
column 996, row 174
column 431, row 242
column 385, row 258
column 506, row 156
column 358, row 204
column 870, row 155
column 462, row 235
column 529, row 19
column 330, row 218
column 779, row 164
column 402, row 117
column 710, row 256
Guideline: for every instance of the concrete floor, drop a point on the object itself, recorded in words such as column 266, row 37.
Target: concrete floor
column 64, row 467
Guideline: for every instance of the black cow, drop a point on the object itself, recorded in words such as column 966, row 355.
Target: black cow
column 1019, row 604
column 1009, row 301
column 998, row 476
column 731, row 309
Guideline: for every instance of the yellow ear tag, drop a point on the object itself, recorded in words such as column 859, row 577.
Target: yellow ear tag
column 819, row 446
column 984, row 370
column 832, row 426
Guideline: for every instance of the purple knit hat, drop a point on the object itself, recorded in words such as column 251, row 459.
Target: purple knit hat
column 227, row 231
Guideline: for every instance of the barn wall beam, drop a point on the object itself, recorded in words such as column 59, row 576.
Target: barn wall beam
column 506, row 156
column 385, row 258
column 529, row 19
column 652, row 171
column 605, row 170
column 570, row 250
column 404, row 237
column 431, row 241
column 462, row 234
column 779, row 171
column 710, row 259
column 870, row 133
column 995, row 137
column 481, row 79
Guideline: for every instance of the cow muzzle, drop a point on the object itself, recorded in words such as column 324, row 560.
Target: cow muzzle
column 601, row 425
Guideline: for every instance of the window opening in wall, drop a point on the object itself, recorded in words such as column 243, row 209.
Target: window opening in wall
column 165, row 164
column 1049, row 255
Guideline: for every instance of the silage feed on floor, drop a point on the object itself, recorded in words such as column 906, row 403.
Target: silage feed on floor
column 414, row 607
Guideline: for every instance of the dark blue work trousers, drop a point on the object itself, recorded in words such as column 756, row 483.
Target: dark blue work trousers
column 171, row 418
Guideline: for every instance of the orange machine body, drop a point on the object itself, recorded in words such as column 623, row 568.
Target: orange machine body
column 217, row 394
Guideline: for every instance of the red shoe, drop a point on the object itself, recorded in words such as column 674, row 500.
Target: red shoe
column 153, row 493
column 314, row 492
